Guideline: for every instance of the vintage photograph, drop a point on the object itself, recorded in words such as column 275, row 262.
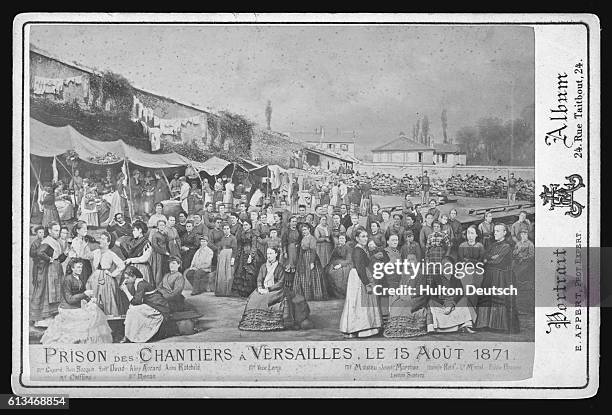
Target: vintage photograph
column 240, row 183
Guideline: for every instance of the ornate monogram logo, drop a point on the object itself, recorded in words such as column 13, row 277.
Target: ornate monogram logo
column 563, row 196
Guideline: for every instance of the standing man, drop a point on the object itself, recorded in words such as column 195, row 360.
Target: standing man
column 511, row 189
column 425, row 186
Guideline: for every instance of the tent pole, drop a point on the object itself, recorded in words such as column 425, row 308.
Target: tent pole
column 167, row 182
column 64, row 166
column 130, row 207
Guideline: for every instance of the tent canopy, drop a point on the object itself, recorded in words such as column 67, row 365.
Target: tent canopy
column 48, row 141
column 213, row 166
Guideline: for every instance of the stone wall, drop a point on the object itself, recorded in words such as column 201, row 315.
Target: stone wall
column 269, row 147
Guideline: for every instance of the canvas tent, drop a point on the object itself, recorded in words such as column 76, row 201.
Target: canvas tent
column 48, row 141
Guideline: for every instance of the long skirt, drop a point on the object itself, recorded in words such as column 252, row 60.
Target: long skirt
column 159, row 265
column 267, row 312
column 86, row 325
column 245, row 274
column 361, row 313
column 309, row 283
column 498, row 312
column 65, row 210
column 142, row 322
column 338, row 278
column 46, row 294
column 225, row 277
column 50, row 214
column 106, row 290
column 403, row 322
column 472, row 299
column 324, row 251
column 440, row 322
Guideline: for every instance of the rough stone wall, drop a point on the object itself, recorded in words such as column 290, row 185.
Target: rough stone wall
column 269, row 147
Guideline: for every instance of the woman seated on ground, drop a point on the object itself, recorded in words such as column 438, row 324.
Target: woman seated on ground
column 269, row 307
column 448, row 313
column 408, row 313
column 79, row 319
column 148, row 312
column 172, row 285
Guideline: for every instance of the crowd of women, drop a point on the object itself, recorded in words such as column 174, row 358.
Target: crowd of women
column 280, row 257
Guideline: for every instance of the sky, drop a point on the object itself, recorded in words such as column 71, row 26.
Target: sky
column 375, row 80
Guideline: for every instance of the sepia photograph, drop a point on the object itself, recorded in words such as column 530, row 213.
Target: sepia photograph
column 244, row 204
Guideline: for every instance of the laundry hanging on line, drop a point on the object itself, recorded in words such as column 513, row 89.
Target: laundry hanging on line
column 54, row 86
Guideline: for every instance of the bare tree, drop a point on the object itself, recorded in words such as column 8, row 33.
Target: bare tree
column 425, row 130
column 269, row 114
column 444, row 120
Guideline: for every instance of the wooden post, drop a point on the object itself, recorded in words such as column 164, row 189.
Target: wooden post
column 129, row 184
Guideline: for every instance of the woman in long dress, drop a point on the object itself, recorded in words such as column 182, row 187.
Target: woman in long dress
column 159, row 255
column 225, row 263
column 79, row 248
column 361, row 313
column 148, row 309
column 118, row 198
column 268, row 307
column 471, row 252
column 104, row 281
column 245, row 279
column 157, row 216
column 47, row 282
column 79, row 319
column 290, row 241
column 138, row 251
column 174, row 240
column 309, row 280
column 408, row 313
column 339, row 267
column 324, row 241
column 498, row 312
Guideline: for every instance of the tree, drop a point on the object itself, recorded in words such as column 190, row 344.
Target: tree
column 269, row 114
column 468, row 138
column 425, row 130
column 444, row 120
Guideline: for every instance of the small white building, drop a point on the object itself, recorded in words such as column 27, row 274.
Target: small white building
column 449, row 155
column 403, row 150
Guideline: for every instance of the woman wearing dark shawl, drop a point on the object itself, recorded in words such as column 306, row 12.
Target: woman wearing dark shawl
column 138, row 251
column 498, row 312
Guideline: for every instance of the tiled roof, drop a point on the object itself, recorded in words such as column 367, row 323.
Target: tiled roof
column 403, row 144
